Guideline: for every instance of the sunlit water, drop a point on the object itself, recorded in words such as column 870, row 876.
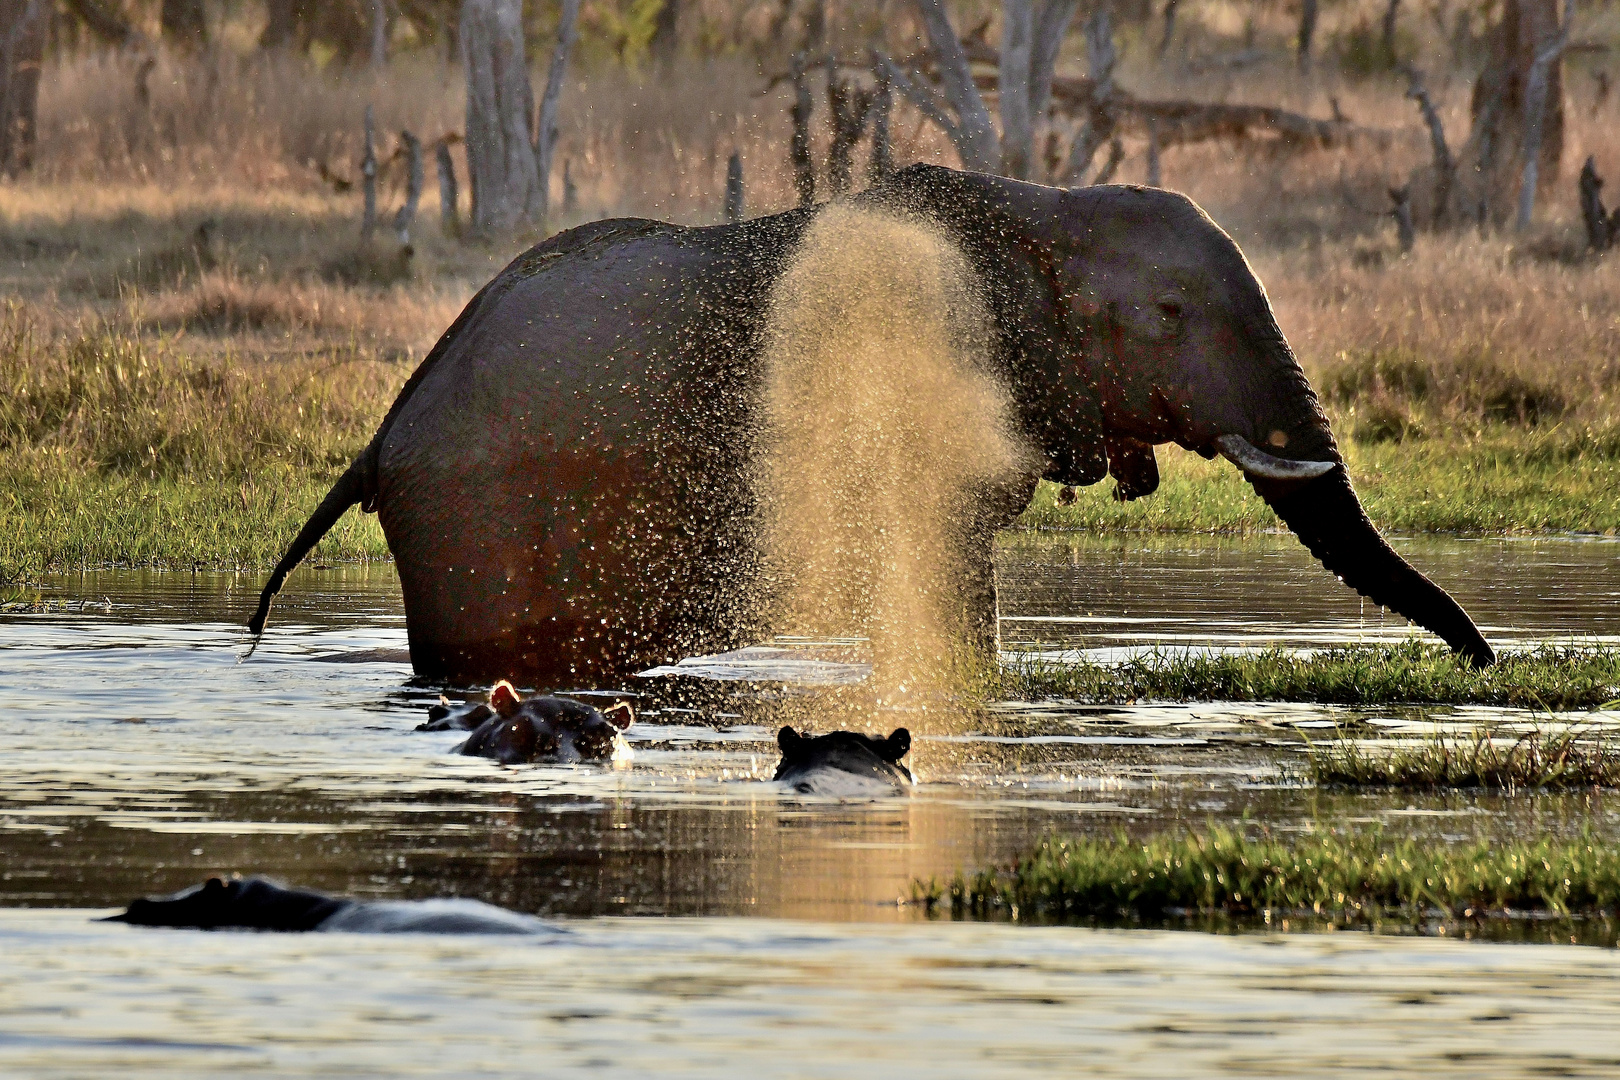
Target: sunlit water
column 141, row 756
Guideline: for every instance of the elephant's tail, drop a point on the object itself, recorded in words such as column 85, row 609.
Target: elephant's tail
column 351, row 488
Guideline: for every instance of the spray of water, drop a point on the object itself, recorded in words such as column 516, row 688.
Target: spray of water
column 883, row 419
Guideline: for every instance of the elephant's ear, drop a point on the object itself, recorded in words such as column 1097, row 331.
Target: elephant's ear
column 1067, row 415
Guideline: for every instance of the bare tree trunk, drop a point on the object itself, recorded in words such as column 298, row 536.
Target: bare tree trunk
column 500, row 158
column 1535, row 108
column 1051, row 26
column 379, row 33
column 1100, row 123
column 734, row 187
column 448, row 219
column 281, row 30
column 1387, row 40
column 106, row 21
column 1498, row 106
column 545, row 128
column 848, row 106
column 882, row 102
column 368, row 174
column 1445, row 169
column 1401, row 211
column 1307, row 31
column 666, row 34
column 184, row 23
column 804, row 170
column 972, row 133
column 1169, row 27
column 1598, row 234
column 22, row 50
column 1017, row 127
column 1154, row 179
column 413, row 186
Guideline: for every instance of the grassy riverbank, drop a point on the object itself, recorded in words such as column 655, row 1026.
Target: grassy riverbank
column 1558, row 760
column 1355, row 877
column 1410, row 672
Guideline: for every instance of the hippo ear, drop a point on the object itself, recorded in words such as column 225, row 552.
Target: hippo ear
column 213, row 884
column 896, row 745
column 788, row 740
column 621, row 714
column 503, row 699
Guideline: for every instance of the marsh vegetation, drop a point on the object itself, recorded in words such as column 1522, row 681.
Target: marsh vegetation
column 1359, row 876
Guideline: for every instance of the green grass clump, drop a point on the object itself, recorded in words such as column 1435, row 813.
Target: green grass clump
column 1352, row 875
column 1556, row 761
column 118, row 449
column 1548, row 676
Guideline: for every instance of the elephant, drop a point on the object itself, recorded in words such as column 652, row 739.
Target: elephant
column 843, row 763
column 257, row 903
column 564, row 480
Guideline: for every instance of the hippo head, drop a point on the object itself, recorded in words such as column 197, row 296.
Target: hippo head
column 843, row 763
column 251, row 903
column 548, row 729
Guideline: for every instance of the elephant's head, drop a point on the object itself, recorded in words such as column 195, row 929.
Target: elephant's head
column 1161, row 332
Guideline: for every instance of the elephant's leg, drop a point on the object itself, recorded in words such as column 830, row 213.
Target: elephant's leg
column 980, row 623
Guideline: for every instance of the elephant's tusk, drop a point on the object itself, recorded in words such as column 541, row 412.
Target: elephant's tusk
column 1256, row 462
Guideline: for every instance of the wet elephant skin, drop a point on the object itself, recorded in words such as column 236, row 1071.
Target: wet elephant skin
column 565, row 480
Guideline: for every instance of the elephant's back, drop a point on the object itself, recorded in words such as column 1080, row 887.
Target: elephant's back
column 583, row 423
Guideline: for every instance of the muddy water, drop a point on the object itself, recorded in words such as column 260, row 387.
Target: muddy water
column 142, row 756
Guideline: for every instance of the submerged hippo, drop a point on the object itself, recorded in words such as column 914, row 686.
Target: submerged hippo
column 844, row 763
column 256, row 904
column 515, row 731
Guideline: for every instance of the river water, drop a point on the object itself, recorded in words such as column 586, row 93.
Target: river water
column 143, row 756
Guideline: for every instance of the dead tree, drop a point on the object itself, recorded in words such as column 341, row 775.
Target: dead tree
column 184, row 23
column 1154, row 179
column 1602, row 228
column 1498, row 107
column 882, row 162
column 1307, row 31
column 1031, row 36
column 1401, row 211
column 106, row 22
column 848, row 106
column 413, row 187
column 379, row 33
column 1387, row 37
column 734, row 187
column 1100, row 122
column 804, row 170
column 1169, row 27
column 666, row 34
column 368, row 173
column 22, row 50
column 1549, row 52
column 545, row 128
column 510, row 174
column 1445, row 168
column 448, row 219
column 570, row 190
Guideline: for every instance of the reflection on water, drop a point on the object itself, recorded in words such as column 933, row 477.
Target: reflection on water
column 1074, row 590
column 736, row 997
column 141, row 755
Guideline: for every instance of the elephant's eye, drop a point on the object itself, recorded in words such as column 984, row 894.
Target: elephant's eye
column 1170, row 309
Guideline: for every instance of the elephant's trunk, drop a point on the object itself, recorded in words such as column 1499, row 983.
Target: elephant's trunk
column 1326, row 516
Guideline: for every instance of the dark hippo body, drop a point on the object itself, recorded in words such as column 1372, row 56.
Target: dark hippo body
column 541, row 728
column 257, row 904
column 844, row 763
